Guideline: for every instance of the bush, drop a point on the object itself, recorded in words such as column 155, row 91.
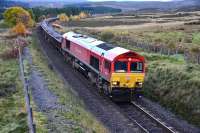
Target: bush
column 75, row 18
column 63, row 17
column 83, row 15
column 19, row 29
column 196, row 38
column 106, row 36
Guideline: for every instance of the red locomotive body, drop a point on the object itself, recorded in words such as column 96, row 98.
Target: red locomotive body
column 111, row 68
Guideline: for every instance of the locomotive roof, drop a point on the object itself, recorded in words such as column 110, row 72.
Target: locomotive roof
column 99, row 47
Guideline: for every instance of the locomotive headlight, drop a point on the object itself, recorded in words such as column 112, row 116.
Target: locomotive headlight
column 139, row 84
column 115, row 83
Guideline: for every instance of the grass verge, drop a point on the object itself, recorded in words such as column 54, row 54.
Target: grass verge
column 83, row 120
column 13, row 117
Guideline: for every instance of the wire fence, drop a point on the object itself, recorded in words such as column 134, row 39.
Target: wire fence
column 189, row 56
column 31, row 124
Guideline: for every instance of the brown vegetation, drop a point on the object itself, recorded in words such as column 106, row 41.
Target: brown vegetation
column 83, row 15
column 75, row 18
column 19, row 29
column 13, row 50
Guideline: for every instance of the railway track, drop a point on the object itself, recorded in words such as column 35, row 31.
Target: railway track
column 138, row 114
column 144, row 119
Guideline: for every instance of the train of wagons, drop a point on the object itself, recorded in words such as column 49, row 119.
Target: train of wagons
column 116, row 71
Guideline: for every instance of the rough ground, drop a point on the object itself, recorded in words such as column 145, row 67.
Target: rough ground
column 45, row 100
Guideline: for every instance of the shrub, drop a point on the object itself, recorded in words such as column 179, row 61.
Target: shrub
column 75, row 18
column 63, row 17
column 10, row 54
column 19, row 29
column 106, row 35
column 83, row 15
column 196, row 38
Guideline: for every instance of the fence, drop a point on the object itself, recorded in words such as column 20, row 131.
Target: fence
column 31, row 125
column 193, row 57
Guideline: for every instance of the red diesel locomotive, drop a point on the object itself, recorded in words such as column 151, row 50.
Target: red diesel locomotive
column 114, row 70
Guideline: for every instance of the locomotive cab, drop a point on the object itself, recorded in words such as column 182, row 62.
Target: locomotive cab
column 128, row 73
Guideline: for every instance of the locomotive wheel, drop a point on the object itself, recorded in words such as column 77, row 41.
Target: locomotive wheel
column 73, row 65
column 106, row 90
column 100, row 89
column 99, row 85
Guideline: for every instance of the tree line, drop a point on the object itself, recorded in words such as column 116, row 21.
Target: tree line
column 41, row 11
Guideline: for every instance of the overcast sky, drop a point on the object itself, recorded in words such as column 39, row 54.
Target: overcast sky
column 98, row 0
column 132, row 0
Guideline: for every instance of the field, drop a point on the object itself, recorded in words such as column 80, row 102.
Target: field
column 171, row 80
column 13, row 117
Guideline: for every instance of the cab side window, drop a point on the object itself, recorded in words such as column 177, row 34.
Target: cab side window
column 67, row 44
column 94, row 62
column 107, row 65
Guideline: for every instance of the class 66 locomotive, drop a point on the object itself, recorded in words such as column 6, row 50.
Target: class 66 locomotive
column 116, row 71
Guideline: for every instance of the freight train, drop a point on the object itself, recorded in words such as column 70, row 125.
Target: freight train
column 115, row 71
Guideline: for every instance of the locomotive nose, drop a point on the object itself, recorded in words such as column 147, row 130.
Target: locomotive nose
column 124, row 80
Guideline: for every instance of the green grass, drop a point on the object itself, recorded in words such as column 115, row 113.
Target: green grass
column 3, row 24
column 170, row 80
column 164, row 37
column 13, row 118
column 82, row 120
column 175, row 85
column 196, row 39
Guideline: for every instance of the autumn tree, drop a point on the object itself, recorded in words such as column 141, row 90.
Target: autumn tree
column 75, row 18
column 83, row 15
column 15, row 15
column 63, row 17
column 19, row 29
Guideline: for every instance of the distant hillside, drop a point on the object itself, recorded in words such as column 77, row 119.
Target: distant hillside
column 145, row 5
column 53, row 3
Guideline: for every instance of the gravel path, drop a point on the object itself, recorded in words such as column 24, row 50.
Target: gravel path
column 99, row 106
column 46, row 101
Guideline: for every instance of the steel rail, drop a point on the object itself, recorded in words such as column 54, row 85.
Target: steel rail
column 162, row 124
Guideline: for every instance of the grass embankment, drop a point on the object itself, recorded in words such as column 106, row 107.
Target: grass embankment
column 171, row 81
column 84, row 121
column 13, row 117
column 174, row 84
